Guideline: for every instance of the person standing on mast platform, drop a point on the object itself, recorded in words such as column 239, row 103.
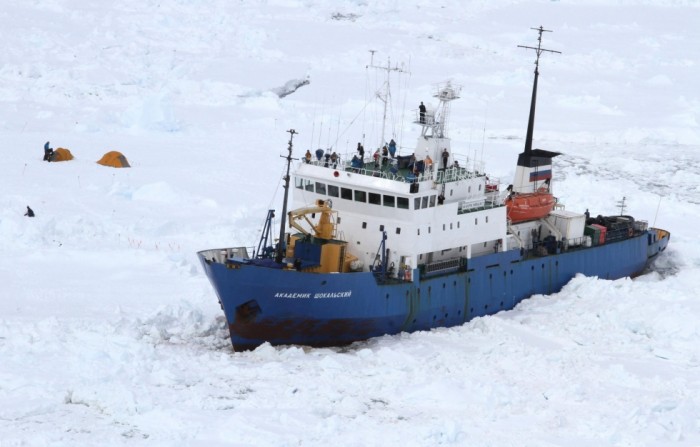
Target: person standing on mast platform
column 421, row 109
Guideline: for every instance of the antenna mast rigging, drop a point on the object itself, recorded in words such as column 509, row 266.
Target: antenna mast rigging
column 539, row 50
column 279, row 256
column 387, row 88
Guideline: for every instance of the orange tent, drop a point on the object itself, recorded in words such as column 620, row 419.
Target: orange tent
column 61, row 154
column 114, row 159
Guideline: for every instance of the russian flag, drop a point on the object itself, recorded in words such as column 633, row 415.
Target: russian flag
column 543, row 174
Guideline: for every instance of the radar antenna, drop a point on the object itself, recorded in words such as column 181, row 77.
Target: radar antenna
column 539, row 50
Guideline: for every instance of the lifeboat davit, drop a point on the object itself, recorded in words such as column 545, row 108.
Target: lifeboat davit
column 529, row 206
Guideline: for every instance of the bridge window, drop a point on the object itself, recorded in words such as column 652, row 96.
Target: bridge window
column 333, row 191
column 360, row 196
column 299, row 183
column 416, row 203
column 320, row 188
column 309, row 185
column 402, row 203
column 375, row 199
column 432, row 201
column 424, row 202
column 389, row 201
column 346, row 193
column 398, row 230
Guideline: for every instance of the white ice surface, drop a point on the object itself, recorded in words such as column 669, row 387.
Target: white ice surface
column 110, row 334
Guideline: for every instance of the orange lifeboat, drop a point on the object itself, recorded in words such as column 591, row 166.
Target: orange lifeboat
column 529, row 206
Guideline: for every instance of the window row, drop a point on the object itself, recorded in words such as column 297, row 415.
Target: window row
column 356, row 195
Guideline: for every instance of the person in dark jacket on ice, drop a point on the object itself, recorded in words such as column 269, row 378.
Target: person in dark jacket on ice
column 29, row 213
column 48, row 152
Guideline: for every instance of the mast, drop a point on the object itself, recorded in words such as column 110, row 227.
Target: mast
column 531, row 120
column 280, row 243
column 387, row 88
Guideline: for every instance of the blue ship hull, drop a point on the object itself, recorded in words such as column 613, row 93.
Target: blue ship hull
column 278, row 306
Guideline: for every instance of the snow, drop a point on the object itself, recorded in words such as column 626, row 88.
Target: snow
column 110, row 334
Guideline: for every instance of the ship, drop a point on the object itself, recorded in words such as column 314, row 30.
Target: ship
column 380, row 245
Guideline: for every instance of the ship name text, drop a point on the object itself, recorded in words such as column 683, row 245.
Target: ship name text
column 318, row 295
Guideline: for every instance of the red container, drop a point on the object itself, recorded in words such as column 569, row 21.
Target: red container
column 603, row 230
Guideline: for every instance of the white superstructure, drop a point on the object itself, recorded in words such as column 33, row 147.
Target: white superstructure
column 431, row 210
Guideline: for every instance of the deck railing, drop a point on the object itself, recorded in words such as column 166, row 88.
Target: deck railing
column 389, row 171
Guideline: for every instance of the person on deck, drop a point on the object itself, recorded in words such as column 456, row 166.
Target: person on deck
column 307, row 156
column 421, row 109
column 356, row 163
column 428, row 163
column 392, row 148
column 334, row 159
column 385, row 156
column 445, row 158
column 361, row 151
column 29, row 213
